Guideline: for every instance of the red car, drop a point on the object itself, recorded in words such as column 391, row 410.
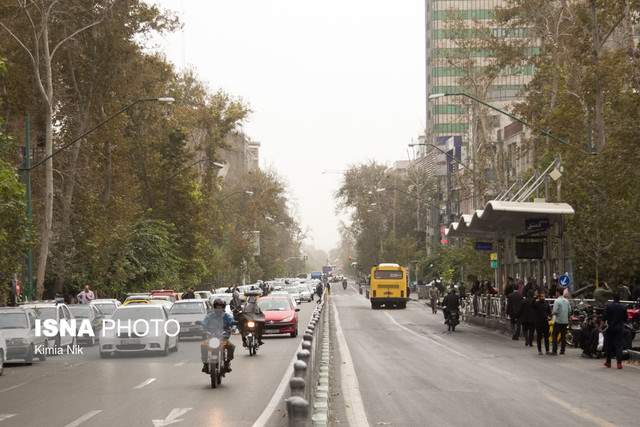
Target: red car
column 281, row 316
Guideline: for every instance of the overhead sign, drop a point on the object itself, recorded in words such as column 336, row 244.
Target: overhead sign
column 564, row 280
column 484, row 246
column 536, row 224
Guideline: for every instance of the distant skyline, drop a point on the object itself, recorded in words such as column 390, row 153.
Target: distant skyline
column 330, row 84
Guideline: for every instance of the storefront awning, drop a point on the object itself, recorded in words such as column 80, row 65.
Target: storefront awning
column 501, row 219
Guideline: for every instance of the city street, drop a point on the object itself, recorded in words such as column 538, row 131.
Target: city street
column 144, row 391
column 411, row 372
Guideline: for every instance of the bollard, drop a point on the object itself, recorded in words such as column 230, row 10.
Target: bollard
column 304, row 356
column 299, row 369
column 311, row 326
column 297, row 411
column 307, row 337
column 297, row 386
column 306, row 345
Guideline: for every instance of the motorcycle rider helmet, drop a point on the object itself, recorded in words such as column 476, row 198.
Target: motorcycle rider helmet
column 219, row 303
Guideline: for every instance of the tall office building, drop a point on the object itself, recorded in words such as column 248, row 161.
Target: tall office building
column 456, row 60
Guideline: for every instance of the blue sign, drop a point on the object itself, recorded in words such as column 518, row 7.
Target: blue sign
column 564, row 280
column 484, row 246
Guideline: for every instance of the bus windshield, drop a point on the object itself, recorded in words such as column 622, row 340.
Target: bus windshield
column 387, row 274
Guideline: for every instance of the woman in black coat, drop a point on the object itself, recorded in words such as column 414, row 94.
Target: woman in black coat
column 542, row 313
column 527, row 317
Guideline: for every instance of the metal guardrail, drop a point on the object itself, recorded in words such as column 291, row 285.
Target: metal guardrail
column 306, row 370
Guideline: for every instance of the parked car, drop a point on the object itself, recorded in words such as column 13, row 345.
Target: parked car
column 93, row 315
column 17, row 326
column 57, row 311
column 281, row 315
column 129, row 341
column 3, row 352
column 189, row 313
column 106, row 306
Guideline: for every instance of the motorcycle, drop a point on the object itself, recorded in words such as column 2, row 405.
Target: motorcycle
column 250, row 339
column 633, row 315
column 453, row 319
column 344, row 285
column 216, row 351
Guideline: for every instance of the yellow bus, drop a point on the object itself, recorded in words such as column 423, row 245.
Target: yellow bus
column 388, row 286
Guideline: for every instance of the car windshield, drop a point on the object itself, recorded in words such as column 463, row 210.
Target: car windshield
column 138, row 313
column 188, row 308
column 274, row 305
column 13, row 321
column 46, row 313
column 107, row 308
column 81, row 311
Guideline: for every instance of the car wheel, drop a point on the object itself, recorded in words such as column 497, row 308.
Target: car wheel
column 28, row 360
column 295, row 333
column 1, row 361
column 42, row 357
column 165, row 352
column 104, row 355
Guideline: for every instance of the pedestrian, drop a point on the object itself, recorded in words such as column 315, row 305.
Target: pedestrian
column 514, row 304
column 319, row 289
column 86, row 296
column 541, row 313
column 560, row 313
column 527, row 319
column 189, row 294
column 434, row 295
column 615, row 314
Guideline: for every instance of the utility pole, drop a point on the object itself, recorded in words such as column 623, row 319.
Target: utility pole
column 26, row 164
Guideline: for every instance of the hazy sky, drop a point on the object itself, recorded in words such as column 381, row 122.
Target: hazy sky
column 331, row 83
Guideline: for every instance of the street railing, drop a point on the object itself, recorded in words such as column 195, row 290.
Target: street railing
column 306, row 370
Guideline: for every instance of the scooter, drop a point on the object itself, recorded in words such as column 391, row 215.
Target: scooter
column 453, row 318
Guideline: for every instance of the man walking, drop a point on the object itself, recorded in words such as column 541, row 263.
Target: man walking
column 616, row 315
column 514, row 305
column 561, row 321
column 433, row 296
column 541, row 313
column 86, row 296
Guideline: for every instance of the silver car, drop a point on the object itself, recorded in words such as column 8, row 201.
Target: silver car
column 189, row 313
column 17, row 326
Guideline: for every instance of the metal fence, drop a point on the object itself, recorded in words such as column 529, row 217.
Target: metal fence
column 306, row 369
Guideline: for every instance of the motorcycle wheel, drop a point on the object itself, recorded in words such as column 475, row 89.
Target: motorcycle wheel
column 252, row 348
column 214, row 377
column 220, row 375
column 569, row 338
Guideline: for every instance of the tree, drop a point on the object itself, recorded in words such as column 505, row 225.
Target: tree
column 45, row 33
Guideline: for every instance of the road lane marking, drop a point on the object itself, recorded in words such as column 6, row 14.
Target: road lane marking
column 179, row 364
column 6, row 416
column 430, row 339
column 586, row 415
column 354, row 409
column 85, row 417
column 13, row 387
column 172, row 418
column 144, row 383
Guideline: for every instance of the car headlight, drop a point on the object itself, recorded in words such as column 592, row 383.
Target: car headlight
column 288, row 319
column 16, row 341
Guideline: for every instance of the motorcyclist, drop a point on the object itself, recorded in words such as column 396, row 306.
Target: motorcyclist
column 344, row 283
column 252, row 312
column 451, row 304
column 236, row 304
column 218, row 323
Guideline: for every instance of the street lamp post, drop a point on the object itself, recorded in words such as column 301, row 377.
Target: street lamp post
column 27, row 168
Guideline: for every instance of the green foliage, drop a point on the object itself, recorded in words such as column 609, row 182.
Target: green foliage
column 457, row 263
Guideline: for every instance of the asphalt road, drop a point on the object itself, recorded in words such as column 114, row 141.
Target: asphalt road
column 75, row 390
column 411, row 372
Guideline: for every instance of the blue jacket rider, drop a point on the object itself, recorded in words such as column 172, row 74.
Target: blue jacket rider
column 218, row 324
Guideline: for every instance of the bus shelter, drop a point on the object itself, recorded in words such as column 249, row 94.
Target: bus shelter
column 525, row 239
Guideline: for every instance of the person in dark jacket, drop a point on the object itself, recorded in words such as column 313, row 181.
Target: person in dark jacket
column 527, row 318
column 541, row 315
column 514, row 304
column 616, row 315
column 189, row 294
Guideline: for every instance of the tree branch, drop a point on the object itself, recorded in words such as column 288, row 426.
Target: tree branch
column 75, row 33
column 33, row 60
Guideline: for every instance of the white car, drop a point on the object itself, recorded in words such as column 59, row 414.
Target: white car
column 106, row 306
column 3, row 352
column 189, row 313
column 56, row 311
column 17, row 327
column 205, row 295
column 157, row 340
column 305, row 293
